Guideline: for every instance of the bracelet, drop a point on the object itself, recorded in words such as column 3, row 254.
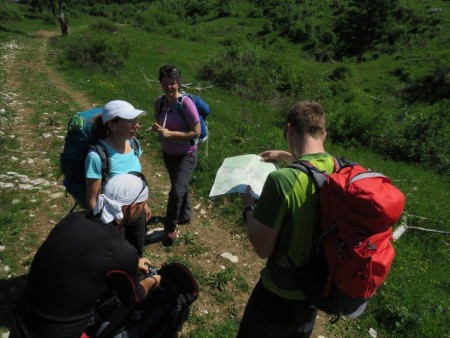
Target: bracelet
column 247, row 209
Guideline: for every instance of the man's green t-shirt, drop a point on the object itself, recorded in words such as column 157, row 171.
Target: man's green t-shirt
column 289, row 203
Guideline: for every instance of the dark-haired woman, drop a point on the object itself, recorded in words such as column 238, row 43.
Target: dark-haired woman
column 177, row 130
column 116, row 131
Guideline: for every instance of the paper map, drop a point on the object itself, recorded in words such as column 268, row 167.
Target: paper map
column 236, row 173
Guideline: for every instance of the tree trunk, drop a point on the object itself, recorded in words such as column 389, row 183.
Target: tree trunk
column 61, row 19
column 63, row 23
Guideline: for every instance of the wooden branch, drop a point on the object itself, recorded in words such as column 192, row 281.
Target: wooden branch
column 145, row 76
column 188, row 86
column 381, row 100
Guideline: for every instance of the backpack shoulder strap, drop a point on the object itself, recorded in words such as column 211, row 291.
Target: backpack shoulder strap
column 161, row 105
column 106, row 161
column 319, row 176
column 342, row 162
column 135, row 145
column 180, row 101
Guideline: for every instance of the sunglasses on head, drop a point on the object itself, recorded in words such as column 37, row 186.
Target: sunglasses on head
column 144, row 183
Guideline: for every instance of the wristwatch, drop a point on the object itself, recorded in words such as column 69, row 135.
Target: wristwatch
column 246, row 209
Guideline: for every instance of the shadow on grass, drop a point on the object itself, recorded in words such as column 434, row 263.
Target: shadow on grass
column 4, row 29
column 10, row 292
column 156, row 219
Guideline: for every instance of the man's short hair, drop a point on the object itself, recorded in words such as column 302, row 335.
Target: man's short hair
column 170, row 71
column 307, row 117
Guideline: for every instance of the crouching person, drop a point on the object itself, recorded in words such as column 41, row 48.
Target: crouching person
column 84, row 257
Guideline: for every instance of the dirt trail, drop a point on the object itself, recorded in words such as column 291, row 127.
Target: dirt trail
column 201, row 243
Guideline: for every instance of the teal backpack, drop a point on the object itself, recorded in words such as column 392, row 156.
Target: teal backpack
column 77, row 144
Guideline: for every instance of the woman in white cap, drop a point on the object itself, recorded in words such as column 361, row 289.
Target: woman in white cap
column 115, row 132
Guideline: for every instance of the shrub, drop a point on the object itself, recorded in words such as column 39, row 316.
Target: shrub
column 98, row 10
column 49, row 19
column 96, row 51
column 401, row 73
column 394, row 317
column 348, row 122
column 268, row 28
column 104, row 26
column 197, row 7
column 8, row 12
column 256, row 13
column 145, row 22
column 420, row 136
column 243, row 69
column 430, row 88
column 340, row 73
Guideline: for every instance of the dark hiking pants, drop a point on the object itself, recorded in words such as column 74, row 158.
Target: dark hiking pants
column 268, row 315
column 180, row 169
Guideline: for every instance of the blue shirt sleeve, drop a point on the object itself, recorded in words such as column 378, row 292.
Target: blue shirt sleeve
column 93, row 165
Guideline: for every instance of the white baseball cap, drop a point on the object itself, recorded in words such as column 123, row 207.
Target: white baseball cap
column 119, row 108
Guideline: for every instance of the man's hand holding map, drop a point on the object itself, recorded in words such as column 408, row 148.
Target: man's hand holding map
column 236, row 173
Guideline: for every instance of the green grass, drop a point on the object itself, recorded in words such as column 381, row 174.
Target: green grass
column 415, row 299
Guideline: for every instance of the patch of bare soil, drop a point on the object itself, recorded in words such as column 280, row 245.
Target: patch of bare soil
column 201, row 243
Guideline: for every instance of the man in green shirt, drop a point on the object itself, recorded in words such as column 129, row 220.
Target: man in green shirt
column 285, row 221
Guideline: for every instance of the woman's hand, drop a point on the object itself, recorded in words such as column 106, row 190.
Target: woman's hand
column 148, row 212
column 165, row 133
column 155, row 127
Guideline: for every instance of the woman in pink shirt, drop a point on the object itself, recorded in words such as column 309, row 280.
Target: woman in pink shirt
column 178, row 127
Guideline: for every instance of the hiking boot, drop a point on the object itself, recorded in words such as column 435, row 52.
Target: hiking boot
column 169, row 239
column 157, row 235
column 184, row 221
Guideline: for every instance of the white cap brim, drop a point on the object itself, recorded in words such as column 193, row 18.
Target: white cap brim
column 122, row 109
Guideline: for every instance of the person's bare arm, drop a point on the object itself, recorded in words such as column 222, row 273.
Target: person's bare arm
column 167, row 134
column 277, row 156
column 150, row 282
column 93, row 187
column 261, row 236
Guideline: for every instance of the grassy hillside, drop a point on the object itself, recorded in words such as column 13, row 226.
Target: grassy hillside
column 392, row 98
column 258, row 69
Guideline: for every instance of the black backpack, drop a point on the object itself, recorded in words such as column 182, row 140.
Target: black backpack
column 161, row 314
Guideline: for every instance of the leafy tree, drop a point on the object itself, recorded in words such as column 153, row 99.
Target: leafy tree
column 362, row 23
column 38, row 6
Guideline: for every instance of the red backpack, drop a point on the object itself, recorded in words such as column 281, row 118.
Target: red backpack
column 357, row 210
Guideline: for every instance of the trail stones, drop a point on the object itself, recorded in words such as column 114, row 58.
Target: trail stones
column 230, row 257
